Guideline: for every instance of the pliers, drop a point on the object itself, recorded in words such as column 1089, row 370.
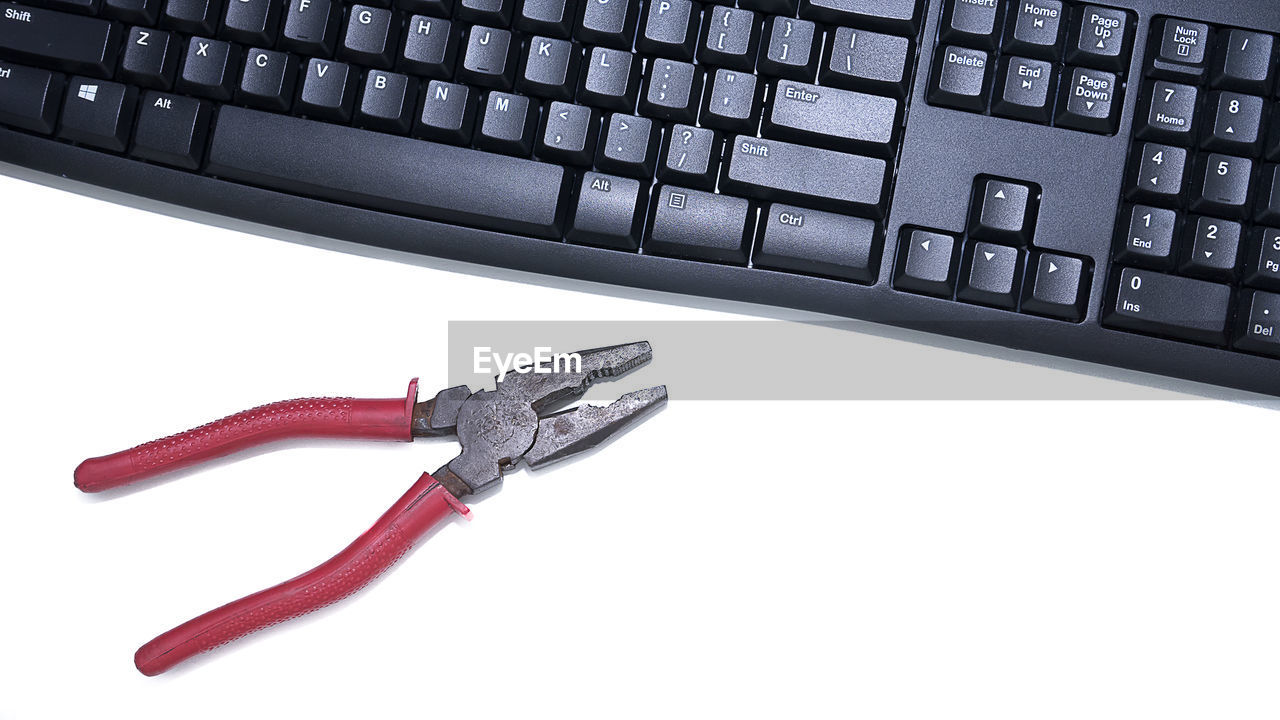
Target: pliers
column 519, row 420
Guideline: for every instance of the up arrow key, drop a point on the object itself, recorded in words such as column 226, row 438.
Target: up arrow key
column 1000, row 194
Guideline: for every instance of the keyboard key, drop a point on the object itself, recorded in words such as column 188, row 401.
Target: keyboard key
column 1036, row 29
column 486, row 12
column 1259, row 323
column 370, row 38
column 732, row 102
column 819, row 243
column 150, row 58
column 172, row 129
column 989, row 275
column 1234, row 123
column 448, row 113
column 553, row 18
column 328, row 90
column 1170, row 306
column 1243, row 62
column 311, row 27
column 1003, row 211
column 1212, row 249
column 672, row 90
column 775, row 170
column 629, row 146
column 252, row 22
column 1181, row 52
column 926, row 263
column 1056, row 287
column 610, row 212
column 1089, row 101
column 210, row 69
column 1157, row 174
column 1100, row 38
column 869, row 61
column 393, row 174
column 608, row 22
column 550, row 69
column 1267, row 207
column 58, row 40
column 30, row 98
column 960, row 79
column 972, row 23
column 610, row 79
column 98, row 113
column 430, row 47
column 669, row 29
column 198, row 17
column 1150, row 238
column 690, row 157
column 699, row 225
column 1222, row 186
column 569, row 134
column 269, row 79
column 808, row 113
column 895, row 16
column 388, row 102
column 731, row 38
column 508, row 124
column 141, row 12
column 1169, row 113
column 1024, row 88
column 788, row 48
column 489, row 59
column 1262, row 267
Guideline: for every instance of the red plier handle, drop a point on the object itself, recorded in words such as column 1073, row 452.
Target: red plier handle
column 422, row 508
column 383, row 419
column 425, row 506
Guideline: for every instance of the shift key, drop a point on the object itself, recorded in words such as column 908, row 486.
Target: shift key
column 66, row 42
column 775, row 170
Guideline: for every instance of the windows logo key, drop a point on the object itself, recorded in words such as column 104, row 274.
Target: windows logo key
column 88, row 92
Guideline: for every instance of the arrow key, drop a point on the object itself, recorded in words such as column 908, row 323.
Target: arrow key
column 1058, row 287
column 989, row 275
column 926, row 263
column 1003, row 210
column 1212, row 250
column 1025, row 86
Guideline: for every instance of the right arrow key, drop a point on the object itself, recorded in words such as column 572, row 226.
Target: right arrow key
column 1057, row 287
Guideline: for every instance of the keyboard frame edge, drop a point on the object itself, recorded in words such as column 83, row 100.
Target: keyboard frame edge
column 878, row 303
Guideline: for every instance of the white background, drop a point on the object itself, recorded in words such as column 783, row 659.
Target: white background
column 817, row 560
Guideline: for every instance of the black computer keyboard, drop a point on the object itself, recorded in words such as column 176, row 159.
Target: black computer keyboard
column 1091, row 180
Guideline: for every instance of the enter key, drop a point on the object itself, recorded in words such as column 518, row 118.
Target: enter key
column 841, row 118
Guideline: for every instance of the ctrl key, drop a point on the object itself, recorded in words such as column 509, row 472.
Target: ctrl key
column 1171, row 306
column 29, row 98
column 1259, row 330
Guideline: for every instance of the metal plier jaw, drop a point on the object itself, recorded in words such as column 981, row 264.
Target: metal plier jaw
column 520, row 419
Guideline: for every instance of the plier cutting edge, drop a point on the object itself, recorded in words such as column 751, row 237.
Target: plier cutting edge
column 521, row 419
